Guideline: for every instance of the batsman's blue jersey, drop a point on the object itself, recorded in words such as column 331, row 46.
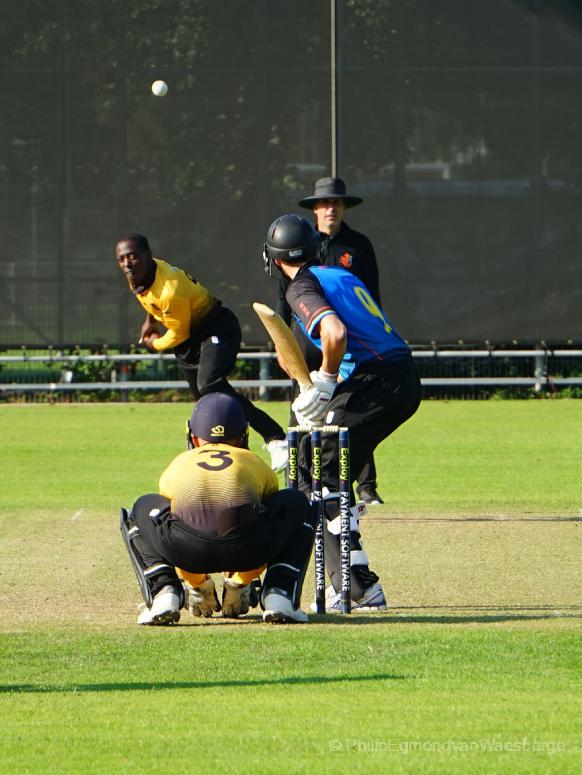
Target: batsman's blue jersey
column 317, row 291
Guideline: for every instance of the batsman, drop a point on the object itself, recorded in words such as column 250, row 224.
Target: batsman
column 367, row 382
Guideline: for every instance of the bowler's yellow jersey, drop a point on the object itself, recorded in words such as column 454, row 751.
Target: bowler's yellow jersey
column 177, row 301
column 216, row 488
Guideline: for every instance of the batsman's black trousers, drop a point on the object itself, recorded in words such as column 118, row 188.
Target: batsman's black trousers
column 366, row 477
column 208, row 357
column 376, row 399
column 282, row 533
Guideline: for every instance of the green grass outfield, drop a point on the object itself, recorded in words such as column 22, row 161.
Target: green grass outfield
column 476, row 667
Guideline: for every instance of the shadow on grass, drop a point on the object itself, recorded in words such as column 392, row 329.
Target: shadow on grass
column 404, row 616
column 420, row 614
column 161, row 685
column 479, row 518
column 448, row 615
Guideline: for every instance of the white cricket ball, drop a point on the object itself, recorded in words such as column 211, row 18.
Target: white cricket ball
column 159, row 88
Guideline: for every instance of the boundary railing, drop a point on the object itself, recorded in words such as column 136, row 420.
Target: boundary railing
column 540, row 369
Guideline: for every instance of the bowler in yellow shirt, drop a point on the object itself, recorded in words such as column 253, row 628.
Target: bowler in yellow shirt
column 203, row 334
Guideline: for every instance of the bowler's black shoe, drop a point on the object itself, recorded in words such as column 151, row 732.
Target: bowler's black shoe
column 370, row 496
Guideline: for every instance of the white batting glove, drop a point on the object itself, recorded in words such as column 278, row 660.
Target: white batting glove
column 310, row 406
column 303, row 421
column 323, row 380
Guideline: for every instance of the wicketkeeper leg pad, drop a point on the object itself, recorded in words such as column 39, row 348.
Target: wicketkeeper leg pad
column 145, row 574
column 129, row 533
column 287, row 571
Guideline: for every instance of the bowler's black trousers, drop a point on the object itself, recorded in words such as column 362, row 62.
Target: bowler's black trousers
column 209, row 356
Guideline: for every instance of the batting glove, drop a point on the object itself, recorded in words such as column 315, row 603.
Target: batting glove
column 323, row 380
column 310, row 406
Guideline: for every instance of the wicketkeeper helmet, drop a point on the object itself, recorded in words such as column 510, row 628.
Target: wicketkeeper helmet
column 218, row 417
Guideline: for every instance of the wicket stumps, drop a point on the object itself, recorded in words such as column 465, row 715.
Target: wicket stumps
column 317, row 498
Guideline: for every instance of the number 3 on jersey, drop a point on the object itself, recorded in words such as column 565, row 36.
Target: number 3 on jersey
column 222, row 458
column 370, row 305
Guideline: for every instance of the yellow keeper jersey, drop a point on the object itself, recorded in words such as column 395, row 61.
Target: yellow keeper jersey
column 177, row 301
column 216, row 487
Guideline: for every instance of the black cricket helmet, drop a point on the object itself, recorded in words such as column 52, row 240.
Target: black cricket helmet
column 291, row 238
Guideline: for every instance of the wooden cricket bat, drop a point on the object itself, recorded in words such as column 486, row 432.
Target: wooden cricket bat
column 285, row 343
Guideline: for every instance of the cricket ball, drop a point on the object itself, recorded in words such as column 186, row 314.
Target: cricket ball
column 159, row 88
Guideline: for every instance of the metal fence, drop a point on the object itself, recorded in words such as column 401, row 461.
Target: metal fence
column 458, row 122
column 112, row 375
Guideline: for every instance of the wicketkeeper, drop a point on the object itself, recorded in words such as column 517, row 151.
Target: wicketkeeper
column 367, row 380
column 219, row 510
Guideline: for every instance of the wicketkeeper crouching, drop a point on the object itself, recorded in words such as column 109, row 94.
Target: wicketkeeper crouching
column 219, row 509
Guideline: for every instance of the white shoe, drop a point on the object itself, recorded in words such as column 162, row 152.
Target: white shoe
column 236, row 599
column 372, row 600
column 201, row 600
column 279, row 609
column 165, row 608
column 279, row 452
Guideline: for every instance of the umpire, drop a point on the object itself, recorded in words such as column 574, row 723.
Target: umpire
column 219, row 509
column 367, row 380
column 348, row 248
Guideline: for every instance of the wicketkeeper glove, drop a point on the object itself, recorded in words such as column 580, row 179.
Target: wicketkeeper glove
column 202, row 600
column 235, row 598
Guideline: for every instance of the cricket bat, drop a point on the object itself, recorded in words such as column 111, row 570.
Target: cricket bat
column 285, row 343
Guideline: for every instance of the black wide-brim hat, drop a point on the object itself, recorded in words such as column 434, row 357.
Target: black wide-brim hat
column 329, row 188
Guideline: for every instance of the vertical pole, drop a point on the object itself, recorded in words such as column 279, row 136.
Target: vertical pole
column 540, row 370
column 334, row 92
column 63, row 300
column 292, row 476
column 316, row 497
column 264, row 376
column 345, row 520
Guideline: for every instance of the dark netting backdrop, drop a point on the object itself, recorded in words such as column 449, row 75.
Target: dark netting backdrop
column 460, row 123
